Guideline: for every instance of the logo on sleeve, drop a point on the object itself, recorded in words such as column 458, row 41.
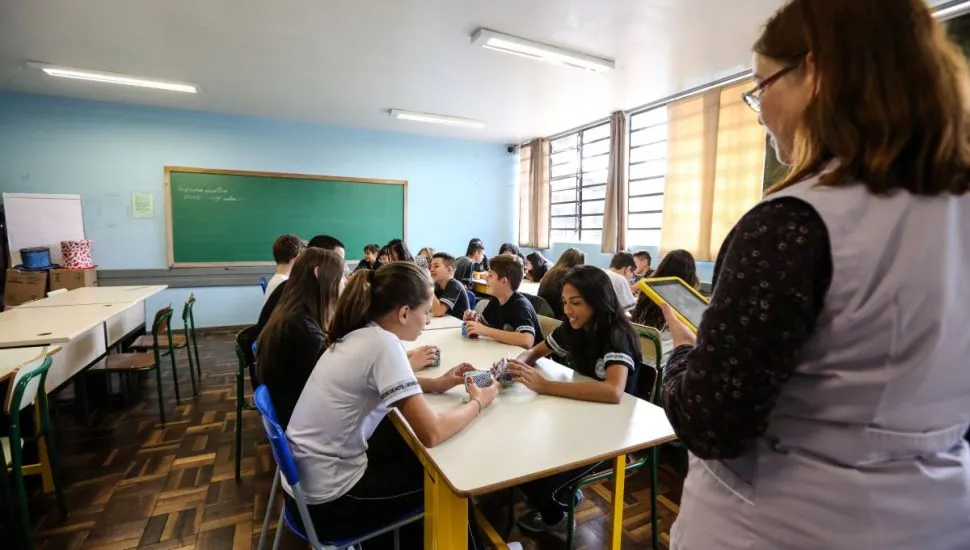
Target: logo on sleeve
column 600, row 369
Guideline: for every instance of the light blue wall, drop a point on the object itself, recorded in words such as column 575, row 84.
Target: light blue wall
column 106, row 151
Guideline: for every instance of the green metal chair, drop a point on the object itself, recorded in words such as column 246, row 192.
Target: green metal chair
column 246, row 360
column 648, row 389
column 165, row 345
column 130, row 363
column 188, row 322
column 27, row 388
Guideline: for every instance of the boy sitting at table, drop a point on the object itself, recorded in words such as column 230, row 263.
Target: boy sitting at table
column 449, row 296
column 509, row 317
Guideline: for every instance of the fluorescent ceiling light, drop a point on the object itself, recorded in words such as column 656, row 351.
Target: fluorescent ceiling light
column 541, row 52
column 949, row 10
column 112, row 78
column 437, row 119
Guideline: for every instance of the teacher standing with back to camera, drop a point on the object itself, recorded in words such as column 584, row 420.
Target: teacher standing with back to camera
column 827, row 393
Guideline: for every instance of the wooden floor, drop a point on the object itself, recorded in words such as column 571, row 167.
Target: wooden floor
column 131, row 483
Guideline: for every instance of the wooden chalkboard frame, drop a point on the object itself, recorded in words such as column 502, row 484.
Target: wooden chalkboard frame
column 169, row 245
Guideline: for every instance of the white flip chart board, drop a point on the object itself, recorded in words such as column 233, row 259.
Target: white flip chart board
column 37, row 219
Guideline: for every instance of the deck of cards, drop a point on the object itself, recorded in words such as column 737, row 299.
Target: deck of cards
column 500, row 372
column 481, row 378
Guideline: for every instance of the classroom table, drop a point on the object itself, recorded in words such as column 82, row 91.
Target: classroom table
column 520, row 437
column 526, row 287
column 85, row 321
column 445, row 321
column 93, row 295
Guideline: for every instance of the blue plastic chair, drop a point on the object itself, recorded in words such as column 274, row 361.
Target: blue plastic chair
column 471, row 299
column 262, row 284
column 286, row 466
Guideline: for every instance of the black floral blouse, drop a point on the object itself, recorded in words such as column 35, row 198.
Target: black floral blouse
column 770, row 281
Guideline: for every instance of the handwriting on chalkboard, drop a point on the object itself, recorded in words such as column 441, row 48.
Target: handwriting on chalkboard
column 214, row 194
column 203, row 190
column 213, row 198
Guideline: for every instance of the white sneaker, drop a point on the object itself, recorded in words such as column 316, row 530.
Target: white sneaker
column 515, row 546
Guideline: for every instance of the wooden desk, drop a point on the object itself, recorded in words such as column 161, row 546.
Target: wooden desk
column 520, row 437
column 446, row 321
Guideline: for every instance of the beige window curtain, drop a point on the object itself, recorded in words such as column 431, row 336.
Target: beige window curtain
column 715, row 168
column 617, row 196
column 534, row 194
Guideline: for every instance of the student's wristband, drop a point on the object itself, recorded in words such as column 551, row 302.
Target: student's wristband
column 480, row 407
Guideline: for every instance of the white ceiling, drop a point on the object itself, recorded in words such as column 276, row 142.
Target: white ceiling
column 346, row 62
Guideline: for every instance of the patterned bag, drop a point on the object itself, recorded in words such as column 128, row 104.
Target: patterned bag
column 77, row 254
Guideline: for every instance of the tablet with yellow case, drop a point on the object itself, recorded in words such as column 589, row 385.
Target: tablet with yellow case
column 685, row 300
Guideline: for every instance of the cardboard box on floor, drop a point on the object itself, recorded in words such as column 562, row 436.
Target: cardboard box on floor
column 23, row 286
column 73, row 278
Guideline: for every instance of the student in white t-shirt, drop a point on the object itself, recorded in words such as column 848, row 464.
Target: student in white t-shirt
column 286, row 249
column 621, row 271
column 357, row 472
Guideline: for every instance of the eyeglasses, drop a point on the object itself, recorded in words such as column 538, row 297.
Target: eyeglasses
column 753, row 96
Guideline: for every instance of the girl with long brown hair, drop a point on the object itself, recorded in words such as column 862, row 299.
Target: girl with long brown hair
column 357, row 472
column 550, row 288
column 826, row 393
column 293, row 338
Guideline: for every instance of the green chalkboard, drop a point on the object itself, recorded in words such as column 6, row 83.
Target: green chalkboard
column 230, row 218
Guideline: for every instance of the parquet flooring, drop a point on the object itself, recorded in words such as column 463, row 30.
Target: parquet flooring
column 132, row 483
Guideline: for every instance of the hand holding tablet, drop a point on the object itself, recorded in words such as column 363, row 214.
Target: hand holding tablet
column 686, row 303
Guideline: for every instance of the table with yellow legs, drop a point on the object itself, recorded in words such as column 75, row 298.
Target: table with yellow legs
column 520, row 437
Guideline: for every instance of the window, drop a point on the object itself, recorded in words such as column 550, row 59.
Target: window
column 647, row 176
column 578, row 166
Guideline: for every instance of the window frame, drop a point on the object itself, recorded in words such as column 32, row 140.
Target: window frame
column 578, row 176
column 631, row 164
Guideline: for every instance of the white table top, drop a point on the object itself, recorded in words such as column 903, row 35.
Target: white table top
column 446, row 321
column 37, row 326
column 524, row 436
column 13, row 359
column 528, row 287
column 92, row 295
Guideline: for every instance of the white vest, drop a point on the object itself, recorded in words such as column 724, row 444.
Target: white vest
column 864, row 449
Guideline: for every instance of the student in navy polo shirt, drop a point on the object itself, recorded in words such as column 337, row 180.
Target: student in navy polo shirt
column 509, row 316
column 450, row 297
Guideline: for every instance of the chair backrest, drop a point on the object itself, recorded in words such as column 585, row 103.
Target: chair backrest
column 540, row 305
column 246, row 345
column 56, row 292
column 548, row 324
column 262, row 284
column 471, row 299
column 651, row 351
column 28, row 379
column 246, row 350
column 481, row 305
column 646, row 384
column 162, row 326
column 188, row 318
column 284, row 458
column 276, row 435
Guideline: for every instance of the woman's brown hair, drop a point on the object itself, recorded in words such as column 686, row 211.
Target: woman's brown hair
column 372, row 293
column 312, row 289
column 569, row 259
column 891, row 99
